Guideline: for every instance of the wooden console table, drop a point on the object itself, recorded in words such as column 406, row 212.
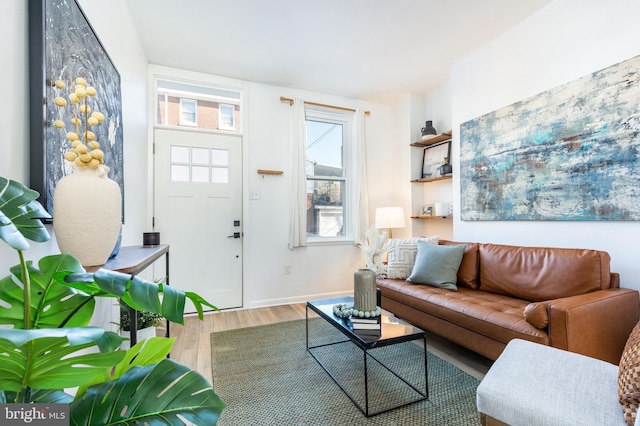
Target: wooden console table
column 133, row 260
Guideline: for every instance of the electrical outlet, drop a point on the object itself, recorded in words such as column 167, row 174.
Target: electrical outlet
column 287, row 269
column 254, row 194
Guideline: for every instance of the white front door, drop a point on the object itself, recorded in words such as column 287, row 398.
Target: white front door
column 198, row 212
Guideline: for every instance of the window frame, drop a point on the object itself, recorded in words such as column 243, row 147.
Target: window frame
column 182, row 121
column 233, row 117
column 349, row 203
column 167, row 86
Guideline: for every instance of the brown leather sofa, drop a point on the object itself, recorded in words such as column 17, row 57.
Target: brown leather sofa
column 565, row 298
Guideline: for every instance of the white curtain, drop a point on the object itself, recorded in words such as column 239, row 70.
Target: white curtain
column 298, row 207
column 361, row 181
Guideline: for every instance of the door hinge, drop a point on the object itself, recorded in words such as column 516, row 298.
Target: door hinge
column 153, row 222
column 153, row 148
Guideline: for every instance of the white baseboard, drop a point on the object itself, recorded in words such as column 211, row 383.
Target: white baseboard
column 297, row 299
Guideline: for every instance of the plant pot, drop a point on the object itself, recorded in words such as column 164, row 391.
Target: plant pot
column 87, row 211
column 142, row 334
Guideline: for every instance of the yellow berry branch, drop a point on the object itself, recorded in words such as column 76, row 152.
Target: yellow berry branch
column 85, row 150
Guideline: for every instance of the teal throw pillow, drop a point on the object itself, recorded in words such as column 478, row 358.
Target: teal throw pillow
column 437, row 265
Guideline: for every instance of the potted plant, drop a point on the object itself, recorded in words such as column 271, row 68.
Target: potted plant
column 46, row 344
column 146, row 323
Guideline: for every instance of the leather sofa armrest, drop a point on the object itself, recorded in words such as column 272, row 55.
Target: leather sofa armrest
column 595, row 324
column 615, row 280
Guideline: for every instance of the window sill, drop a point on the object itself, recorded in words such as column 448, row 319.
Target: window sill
column 329, row 242
column 187, row 124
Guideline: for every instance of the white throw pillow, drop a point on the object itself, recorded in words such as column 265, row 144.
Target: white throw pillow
column 401, row 255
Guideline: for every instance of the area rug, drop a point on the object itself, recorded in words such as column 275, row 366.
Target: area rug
column 267, row 377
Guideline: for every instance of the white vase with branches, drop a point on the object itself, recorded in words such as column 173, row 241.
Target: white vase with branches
column 375, row 246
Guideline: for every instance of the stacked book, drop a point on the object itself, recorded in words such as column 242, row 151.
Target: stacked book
column 367, row 326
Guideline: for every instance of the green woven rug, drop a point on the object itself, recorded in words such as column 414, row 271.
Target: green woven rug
column 266, row 377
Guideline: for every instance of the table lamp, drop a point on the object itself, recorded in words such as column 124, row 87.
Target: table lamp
column 389, row 218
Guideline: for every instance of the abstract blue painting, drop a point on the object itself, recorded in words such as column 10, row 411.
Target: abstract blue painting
column 570, row 153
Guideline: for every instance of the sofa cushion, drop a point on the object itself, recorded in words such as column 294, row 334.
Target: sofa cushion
column 629, row 376
column 538, row 273
column 468, row 272
column 437, row 265
column 401, row 255
column 537, row 315
column 495, row 316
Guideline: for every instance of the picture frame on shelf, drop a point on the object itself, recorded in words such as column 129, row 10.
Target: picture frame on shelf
column 433, row 158
column 426, row 210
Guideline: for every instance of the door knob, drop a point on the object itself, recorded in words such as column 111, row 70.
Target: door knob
column 235, row 235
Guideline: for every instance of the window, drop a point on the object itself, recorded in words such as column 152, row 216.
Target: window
column 197, row 105
column 328, row 170
column 199, row 165
column 188, row 112
column 226, row 117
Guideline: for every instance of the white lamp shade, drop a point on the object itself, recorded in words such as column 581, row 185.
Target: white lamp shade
column 389, row 217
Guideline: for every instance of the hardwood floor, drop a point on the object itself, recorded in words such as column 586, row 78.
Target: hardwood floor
column 192, row 346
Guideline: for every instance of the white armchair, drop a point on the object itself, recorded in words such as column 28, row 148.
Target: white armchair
column 533, row 384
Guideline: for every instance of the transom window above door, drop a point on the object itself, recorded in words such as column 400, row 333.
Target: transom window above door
column 198, row 105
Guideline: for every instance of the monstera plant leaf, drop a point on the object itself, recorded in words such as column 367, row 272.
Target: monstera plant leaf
column 45, row 396
column 159, row 394
column 49, row 358
column 136, row 292
column 52, row 305
column 19, row 210
column 147, row 352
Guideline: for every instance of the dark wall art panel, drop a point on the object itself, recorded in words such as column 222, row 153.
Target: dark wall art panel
column 570, row 153
column 63, row 46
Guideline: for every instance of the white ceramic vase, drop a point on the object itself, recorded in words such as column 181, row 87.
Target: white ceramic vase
column 87, row 212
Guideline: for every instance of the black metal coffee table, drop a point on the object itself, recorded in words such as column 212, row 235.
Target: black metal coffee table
column 393, row 331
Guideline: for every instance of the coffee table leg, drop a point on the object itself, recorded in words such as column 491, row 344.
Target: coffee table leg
column 307, row 324
column 366, row 385
column 426, row 373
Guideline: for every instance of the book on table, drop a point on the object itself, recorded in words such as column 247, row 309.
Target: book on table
column 366, row 323
column 368, row 334
column 361, row 320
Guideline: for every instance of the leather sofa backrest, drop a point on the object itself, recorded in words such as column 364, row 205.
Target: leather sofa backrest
column 540, row 273
column 468, row 272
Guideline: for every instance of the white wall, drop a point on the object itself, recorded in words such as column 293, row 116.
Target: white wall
column 14, row 143
column 408, row 116
column 115, row 29
column 438, row 109
column 562, row 42
column 315, row 271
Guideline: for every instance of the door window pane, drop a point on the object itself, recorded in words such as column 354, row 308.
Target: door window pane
column 179, row 173
column 220, row 157
column 200, row 174
column 200, row 156
column 219, row 175
column 179, row 154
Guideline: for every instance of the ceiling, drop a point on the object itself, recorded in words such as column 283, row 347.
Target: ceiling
column 368, row 49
